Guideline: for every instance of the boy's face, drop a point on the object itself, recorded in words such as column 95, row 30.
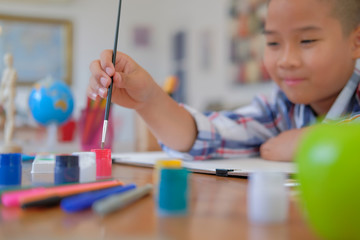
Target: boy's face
column 306, row 52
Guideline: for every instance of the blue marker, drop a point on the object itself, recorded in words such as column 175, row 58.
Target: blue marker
column 85, row 200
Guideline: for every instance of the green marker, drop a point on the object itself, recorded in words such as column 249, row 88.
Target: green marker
column 121, row 200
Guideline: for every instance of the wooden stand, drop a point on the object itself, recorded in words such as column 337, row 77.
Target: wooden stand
column 145, row 140
column 10, row 148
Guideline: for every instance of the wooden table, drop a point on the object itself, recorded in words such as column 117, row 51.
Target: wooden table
column 218, row 211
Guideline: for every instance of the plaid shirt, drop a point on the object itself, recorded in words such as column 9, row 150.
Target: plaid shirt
column 240, row 133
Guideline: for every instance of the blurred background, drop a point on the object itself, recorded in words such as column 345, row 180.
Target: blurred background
column 213, row 48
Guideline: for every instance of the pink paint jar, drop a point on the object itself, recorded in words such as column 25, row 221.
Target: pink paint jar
column 103, row 163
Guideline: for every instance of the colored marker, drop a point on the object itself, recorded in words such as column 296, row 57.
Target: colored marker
column 15, row 188
column 84, row 201
column 119, row 201
column 12, row 199
column 43, row 203
column 15, row 199
column 68, row 191
column 11, row 192
column 48, row 202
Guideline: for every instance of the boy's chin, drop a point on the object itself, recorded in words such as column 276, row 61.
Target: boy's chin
column 299, row 100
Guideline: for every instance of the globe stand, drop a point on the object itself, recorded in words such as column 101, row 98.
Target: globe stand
column 51, row 140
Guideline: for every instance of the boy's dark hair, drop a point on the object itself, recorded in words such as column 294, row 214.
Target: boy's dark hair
column 347, row 11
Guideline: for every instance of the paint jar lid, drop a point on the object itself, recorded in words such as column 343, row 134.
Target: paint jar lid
column 266, row 180
column 10, row 159
column 67, row 161
column 168, row 163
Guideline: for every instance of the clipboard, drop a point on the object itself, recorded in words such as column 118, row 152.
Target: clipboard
column 240, row 167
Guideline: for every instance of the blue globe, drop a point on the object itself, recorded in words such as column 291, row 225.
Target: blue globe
column 51, row 102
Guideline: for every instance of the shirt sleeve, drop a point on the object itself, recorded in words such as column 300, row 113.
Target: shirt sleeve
column 237, row 133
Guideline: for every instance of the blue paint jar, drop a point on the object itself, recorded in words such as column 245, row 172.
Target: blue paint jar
column 173, row 192
column 10, row 169
column 66, row 169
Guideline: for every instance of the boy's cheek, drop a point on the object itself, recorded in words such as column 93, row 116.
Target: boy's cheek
column 269, row 60
column 270, row 66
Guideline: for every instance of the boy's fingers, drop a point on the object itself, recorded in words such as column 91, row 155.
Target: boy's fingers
column 95, row 88
column 91, row 94
column 98, row 73
column 106, row 62
column 117, row 78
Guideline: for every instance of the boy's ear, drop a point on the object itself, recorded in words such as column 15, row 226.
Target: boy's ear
column 356, row 43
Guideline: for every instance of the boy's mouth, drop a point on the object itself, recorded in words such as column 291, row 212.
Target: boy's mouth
column 293, row 81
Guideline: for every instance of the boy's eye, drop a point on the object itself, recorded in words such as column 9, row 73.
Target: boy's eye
column 272, row 44
column 308, row 41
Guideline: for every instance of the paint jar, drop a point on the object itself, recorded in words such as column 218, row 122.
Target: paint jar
column 267, row 197
column 160, row 164
column 103, row 163
column 66, row 169
column 173, row 192
column 87, row 164
column 10, row 169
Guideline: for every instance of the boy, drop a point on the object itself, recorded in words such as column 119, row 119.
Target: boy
column 311, row 50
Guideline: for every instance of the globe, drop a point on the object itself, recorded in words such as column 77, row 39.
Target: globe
column 51, row 102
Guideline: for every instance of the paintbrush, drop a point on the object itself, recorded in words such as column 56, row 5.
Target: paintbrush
column 108, row 99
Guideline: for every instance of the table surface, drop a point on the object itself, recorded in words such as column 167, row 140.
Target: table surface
column 218, row 210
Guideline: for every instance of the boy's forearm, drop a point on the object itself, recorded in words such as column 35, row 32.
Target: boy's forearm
column 169, row 122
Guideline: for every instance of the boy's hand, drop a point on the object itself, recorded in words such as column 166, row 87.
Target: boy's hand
column 282, row 147
column 132, row 86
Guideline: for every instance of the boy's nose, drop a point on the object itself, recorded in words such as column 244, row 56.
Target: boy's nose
column 289, row 58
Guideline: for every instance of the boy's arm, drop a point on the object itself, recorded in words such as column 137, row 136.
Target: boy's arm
column 169, row 122
column 282, row 147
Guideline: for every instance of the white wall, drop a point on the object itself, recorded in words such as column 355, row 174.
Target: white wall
column 94, row 27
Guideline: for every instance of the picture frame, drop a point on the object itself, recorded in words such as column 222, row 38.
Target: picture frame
column 41, row 47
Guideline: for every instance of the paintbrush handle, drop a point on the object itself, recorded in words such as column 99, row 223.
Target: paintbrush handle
column 108, row 99
column 109, row 93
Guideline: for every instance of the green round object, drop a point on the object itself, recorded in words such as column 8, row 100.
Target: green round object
column 328, row 164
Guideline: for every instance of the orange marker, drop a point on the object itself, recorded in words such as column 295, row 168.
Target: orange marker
column 67, row 190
